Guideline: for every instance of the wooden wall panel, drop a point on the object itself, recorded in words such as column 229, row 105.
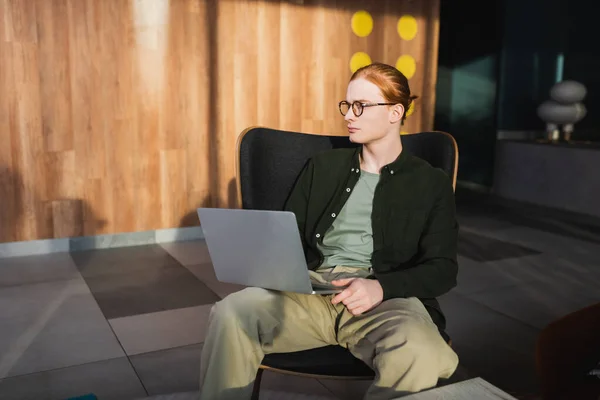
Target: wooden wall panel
column 122, row 115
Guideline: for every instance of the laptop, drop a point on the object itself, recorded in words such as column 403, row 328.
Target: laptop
column 259, row 248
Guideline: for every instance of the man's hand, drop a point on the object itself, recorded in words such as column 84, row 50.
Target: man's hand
column 361, row 296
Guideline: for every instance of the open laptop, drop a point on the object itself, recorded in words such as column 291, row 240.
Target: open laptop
column 259, row 248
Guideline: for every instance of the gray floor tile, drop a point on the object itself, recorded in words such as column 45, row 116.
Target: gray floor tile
column 541, row 302
column 475, row 388
column 178, row 370
column 282, row 395
column 115, row 261
column 482, row 248
column 346, row 390
column 190, row 252
column 584, row 276
column 152, row 290
column 139, row 280
column 355, row 389
column 52, row 325
column 37, row 269
column 108, row 380
column 491, row 345
column 578, row 230
column 169, row 371
column 162, row 330
column 292, row 385
column 551, row 243
column 206, row 273
column 482, row 222
column 563, row 223
column 174, row 396
column 264, row 395
column 476, row 276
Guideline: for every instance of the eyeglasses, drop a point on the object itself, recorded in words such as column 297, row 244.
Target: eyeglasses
column 358, row 107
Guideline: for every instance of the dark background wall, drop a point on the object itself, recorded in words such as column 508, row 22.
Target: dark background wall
column 532, row 45
column 497, row 62
column 469, row 51
column 582, row 61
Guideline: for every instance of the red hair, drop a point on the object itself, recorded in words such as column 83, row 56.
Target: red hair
column 392, row 83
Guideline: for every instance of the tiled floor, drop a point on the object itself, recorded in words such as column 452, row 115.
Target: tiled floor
column 129, row 323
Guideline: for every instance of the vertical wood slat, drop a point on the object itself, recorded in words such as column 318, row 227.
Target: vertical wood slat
column 10, row 208
column 200, row 124
column 20, row 21
column 55, row 85
column 122, row 115
column 67, row 218
column 26, row 136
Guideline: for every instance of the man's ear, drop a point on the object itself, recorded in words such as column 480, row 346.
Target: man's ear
column 397, row 113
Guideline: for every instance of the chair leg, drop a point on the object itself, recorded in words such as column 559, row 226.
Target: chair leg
column 256, row 388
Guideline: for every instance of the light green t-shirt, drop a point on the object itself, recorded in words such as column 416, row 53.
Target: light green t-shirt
column 349, row 241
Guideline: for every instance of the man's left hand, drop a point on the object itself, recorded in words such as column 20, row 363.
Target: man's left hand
column 360, row 296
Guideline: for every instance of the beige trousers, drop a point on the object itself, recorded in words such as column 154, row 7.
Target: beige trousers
column 397, row 339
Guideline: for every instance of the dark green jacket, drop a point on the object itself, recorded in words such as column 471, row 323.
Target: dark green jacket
column 413, row 220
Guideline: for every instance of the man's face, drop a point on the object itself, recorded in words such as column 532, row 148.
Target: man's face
column 375, row 122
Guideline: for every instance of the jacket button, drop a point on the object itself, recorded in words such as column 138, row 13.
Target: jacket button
column 348, row 190
column 392, row 172
column 352, row 170
column 333, row 215
column 318, row 235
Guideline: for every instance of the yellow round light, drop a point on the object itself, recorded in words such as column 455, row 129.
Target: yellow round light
column 407, row 27
column 407, row 65
column 362, row 23
column 359, row 60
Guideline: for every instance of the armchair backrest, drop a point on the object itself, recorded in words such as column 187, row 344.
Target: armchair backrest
column 270, row 160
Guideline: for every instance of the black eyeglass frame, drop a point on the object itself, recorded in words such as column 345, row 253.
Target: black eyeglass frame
column 358, row 104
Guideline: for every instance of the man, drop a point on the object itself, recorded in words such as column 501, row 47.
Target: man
column 373, row 218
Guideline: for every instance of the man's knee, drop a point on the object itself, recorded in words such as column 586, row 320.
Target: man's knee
column 428, row 346
column 409, row 338
column 418, row 342
column 241, row 305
